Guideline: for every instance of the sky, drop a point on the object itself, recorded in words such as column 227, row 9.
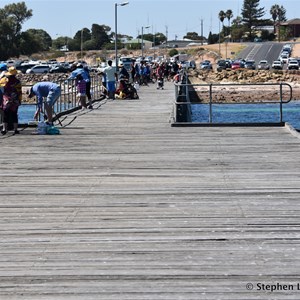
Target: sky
column 174, row 18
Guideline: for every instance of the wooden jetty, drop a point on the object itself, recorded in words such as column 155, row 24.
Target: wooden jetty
column 123, row 206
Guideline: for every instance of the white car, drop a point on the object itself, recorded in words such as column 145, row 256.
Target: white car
column 263, row 65
column 284, row 58
column 277, row 65
column 38, row 69
column 293, row 64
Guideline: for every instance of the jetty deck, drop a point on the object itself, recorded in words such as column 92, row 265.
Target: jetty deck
column 123, row 206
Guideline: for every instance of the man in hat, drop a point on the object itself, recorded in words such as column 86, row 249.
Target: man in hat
column 12, row 95
column 47, row 93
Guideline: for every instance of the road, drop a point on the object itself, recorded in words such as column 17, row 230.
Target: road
column 258, row 51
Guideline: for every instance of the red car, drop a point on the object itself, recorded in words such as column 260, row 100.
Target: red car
column 236, row 65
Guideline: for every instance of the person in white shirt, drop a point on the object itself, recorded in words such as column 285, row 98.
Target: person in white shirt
column 110, row 73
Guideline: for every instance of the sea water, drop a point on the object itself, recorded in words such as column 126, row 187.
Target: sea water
column 248, row 113
column 26, row 113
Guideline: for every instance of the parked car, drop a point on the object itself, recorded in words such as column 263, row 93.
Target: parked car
column 58, row 69
column 190, row 64
column 206, row 65
column 293, row 64
column 24, row 67
column 237, row 65
column 38, row 69
column 263, row 65
column 277, row 65
column 250, row 65
column 221, row 65
column 126, row 61
column 284, row 58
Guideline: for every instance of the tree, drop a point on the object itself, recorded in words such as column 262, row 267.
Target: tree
column 237, row 29
column 222, row 16
column 229, row 15
column 42, row 37
column 80, row 37
column 28, row 44
column 193, row 36
column 12, row 17
column 212, row 38
column 282, row 14
column 278, row 15
column 100, row 35
column 251, row 14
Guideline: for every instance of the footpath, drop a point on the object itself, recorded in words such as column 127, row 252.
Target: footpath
column 123, row 206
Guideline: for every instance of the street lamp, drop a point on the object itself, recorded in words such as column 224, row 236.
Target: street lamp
column 142, row 46
column 81, row 43
column 116, row 30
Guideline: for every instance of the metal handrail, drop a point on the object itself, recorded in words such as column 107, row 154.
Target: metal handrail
column 68, row 101
column 210, row 86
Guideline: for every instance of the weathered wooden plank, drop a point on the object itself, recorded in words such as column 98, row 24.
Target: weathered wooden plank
column 123, row 206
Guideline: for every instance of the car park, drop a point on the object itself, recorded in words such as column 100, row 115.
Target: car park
column 38, row 69
column 263, row 65
column 277, row 65
column 293, row 64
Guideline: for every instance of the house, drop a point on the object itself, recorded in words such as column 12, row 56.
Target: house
column 292, row 27
column 147, row 44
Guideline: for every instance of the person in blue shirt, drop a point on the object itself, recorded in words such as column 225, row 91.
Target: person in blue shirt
column 46, row 92
column 84, row 72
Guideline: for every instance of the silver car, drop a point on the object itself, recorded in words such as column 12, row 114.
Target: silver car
column 263, row 65
column 38, row 69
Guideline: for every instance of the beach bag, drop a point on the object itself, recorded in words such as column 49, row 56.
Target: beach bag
column 41, row 128
column 52, row 130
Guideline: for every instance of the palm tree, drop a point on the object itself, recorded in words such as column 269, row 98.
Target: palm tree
column 222, row 16
column 229, row 15
column 278, row 14
column 274, row 11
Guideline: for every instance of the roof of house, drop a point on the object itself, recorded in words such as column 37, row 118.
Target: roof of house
column 295, row 21
column 136, row 41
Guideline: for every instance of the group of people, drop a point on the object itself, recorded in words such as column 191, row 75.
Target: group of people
column 116, row 83
column 11, row 97
column 46, row 93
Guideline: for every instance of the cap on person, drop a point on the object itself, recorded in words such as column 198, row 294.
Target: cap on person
column 12, row 71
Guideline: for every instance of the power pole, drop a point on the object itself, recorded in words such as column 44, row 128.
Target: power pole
column 166, row 34
column 201, row 31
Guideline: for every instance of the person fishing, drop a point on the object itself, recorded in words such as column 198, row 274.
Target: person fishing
column 47, row 93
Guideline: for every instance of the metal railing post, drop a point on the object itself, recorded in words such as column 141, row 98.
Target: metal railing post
column 281, row 103
column 210, row 103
